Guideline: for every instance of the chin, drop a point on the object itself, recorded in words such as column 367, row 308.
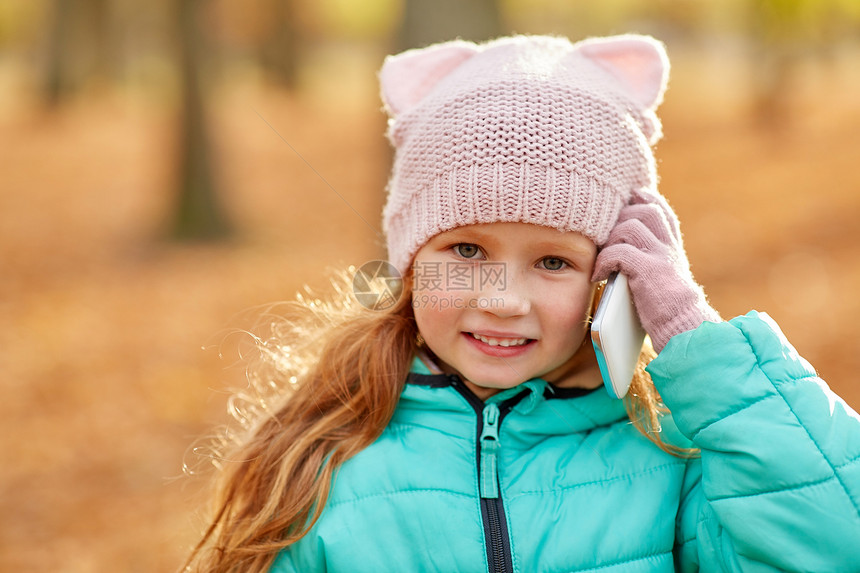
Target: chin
column 494, row 382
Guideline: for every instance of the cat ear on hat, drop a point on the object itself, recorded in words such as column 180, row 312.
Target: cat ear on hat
column 640, row 63
column 407, row 77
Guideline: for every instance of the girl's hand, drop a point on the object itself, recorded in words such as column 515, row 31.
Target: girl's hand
column 646, row 247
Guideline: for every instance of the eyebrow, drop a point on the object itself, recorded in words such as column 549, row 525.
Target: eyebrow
column 550, row 246
column 461, row 233
column 474, row 235
column 563, row 249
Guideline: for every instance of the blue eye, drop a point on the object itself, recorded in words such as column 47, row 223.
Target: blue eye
column 553, row 263
column 467, row 250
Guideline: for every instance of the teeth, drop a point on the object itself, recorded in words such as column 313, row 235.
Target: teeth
column 500, row 341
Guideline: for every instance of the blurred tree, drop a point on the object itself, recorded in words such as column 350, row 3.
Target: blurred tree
column 786, row 32
column 199, row 213
column 58, row 81
column 98, row 16
column 79, row 47
column 430, row 21
column 777, row 24
column 279, row 47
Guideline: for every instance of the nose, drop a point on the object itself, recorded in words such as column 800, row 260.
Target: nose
column 507, row 298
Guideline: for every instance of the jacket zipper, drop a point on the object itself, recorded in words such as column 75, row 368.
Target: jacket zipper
column 490, row 416
column 499, row 558
column 489, row 446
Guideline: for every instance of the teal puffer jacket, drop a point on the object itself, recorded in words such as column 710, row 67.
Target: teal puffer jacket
column 541, row 479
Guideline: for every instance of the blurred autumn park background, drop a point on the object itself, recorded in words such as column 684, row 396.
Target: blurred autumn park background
column 170, row 166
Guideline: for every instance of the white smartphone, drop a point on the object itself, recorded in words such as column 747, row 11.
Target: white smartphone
column 617, row 336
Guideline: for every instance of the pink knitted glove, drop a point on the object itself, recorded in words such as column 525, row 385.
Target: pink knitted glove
column 645, row 245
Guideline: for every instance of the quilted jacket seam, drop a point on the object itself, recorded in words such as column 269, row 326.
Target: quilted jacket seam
column 833, row 469
column 617, row 562
column 746, row 406
column 401, row 427
column 848, row 463
column 393, row 493
column 787, row 489
column 607, row 480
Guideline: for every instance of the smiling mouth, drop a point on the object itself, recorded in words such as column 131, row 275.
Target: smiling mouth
column 500, row 341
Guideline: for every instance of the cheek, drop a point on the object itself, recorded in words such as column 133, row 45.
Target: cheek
column 572, row 317
column 435, row 311
column 440, row 298
column 425, row 316
column 575, row 323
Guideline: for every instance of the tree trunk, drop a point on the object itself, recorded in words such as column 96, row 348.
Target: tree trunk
column 199, row 213
column 58, row 75
column 279, row 48
column 429, row 21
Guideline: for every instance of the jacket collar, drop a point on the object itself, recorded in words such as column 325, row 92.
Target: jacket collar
column 540, row 409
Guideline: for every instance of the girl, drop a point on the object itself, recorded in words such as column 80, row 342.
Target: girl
column 467, row 429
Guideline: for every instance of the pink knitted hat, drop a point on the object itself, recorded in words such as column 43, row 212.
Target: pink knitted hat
column 529, row 129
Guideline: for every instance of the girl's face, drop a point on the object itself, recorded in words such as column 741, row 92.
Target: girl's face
column 502, row 303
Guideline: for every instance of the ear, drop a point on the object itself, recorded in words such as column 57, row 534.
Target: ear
column 406, row 78
column 639, row 62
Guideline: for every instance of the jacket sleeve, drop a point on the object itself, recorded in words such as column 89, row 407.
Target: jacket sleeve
column 304, row 556
column 283, row 564
column 778, row 486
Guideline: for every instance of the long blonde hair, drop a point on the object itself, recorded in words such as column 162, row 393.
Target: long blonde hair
column 325, row 386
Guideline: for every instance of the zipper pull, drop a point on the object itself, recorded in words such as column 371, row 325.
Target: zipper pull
column 489, row 452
